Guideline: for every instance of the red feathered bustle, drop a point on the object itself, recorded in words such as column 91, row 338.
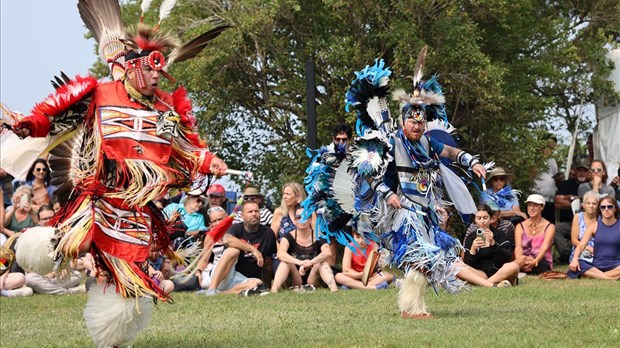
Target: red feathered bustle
column 183, row 107
column 65, row 96
column 218, row 231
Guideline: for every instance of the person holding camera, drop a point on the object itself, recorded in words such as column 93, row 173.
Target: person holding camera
column 20, row 215
column 303, row 257
column 488, row 254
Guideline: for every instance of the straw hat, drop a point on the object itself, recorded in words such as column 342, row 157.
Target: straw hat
column 499, row 171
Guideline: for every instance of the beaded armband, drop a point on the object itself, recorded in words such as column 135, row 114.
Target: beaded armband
column 467, row 160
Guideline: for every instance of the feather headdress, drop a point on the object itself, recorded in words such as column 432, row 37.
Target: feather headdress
column 426, row 102
column 118, row 45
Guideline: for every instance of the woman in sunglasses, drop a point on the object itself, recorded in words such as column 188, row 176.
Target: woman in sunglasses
column 303, row 258
column 606, row 261
column 598, row 181
column 39, row 179
column 502, row 196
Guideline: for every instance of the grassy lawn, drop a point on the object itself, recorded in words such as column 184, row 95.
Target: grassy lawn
column 537, row 313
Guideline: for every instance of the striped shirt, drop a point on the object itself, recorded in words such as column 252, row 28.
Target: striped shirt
column 265, row 217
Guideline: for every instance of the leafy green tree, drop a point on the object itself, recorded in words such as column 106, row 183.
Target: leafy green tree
column 510, row 70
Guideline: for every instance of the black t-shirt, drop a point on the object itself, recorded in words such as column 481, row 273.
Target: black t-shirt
column 489, row 259
column 567, row 187
column 301, row 252
column 263, row 239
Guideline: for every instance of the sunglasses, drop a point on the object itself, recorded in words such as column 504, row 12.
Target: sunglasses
column 341, row 140
column 213, row 209
column 40, row 169
column 498, row 178
column 596, row 170
column 298, row 217
column 606, row 207
column 198, row 200
column 215, row 196
column 250, row 198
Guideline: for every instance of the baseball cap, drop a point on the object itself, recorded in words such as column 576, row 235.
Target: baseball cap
column 582, row 163
column 216, row 190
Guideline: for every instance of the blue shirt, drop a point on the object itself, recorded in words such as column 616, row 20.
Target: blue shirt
column 194, row 221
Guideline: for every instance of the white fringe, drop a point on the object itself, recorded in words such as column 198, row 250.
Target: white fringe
column 411, row 294
column 32, row 250
column 113, row 320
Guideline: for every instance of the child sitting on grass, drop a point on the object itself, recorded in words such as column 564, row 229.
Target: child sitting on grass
column 353, row 263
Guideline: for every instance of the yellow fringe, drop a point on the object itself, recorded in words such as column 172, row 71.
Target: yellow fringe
column 129, row 283
column 75, row 230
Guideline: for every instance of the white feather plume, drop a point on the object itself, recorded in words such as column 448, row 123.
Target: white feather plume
column 113, row 320
column 343, row 188
column 165, row 9
column 32, row 250
column 145, row 5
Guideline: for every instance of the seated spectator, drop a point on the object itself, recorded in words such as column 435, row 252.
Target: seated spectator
column 303, row 258
column 45, row 213
column 581, row 221
column 68, row 282
column 292, row 196
column 598, row 181
column 606, row 261
column 566, row 194
column 39, row 178
column 6, row 185
column 55, row 205
column 157, row 264
column 188, row 209
column 615, row 183
column 216, row 194
column 13, row 280
column 234, row 282
column 501, row 195
column 20, row 215
column 250, row 247
column 251, row 194
column 533, row 238
column 488, row 254
column 497, row 225
column 353, row 263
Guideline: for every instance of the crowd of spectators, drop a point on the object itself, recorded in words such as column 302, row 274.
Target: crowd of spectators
column 575, row 219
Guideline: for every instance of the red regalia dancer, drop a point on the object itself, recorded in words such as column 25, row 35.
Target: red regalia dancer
column 120, row 144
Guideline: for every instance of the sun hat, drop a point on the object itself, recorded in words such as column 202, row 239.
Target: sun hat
column 538, row 199
column 499, row 171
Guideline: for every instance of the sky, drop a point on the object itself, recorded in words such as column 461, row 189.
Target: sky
column 38, row 39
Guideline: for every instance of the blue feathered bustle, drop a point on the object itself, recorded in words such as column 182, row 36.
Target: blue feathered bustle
column 370, row 82
column 331, row 218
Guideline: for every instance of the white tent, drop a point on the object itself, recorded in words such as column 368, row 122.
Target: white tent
column 607, row 131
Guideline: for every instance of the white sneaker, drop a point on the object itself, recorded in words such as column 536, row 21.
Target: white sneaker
column 21, row 292
column 80, row 289
column 521, row 275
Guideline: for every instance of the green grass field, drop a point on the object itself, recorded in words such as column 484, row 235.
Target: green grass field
column 537, row 313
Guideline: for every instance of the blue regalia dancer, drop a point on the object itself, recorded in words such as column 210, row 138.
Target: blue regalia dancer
column 397, row 176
